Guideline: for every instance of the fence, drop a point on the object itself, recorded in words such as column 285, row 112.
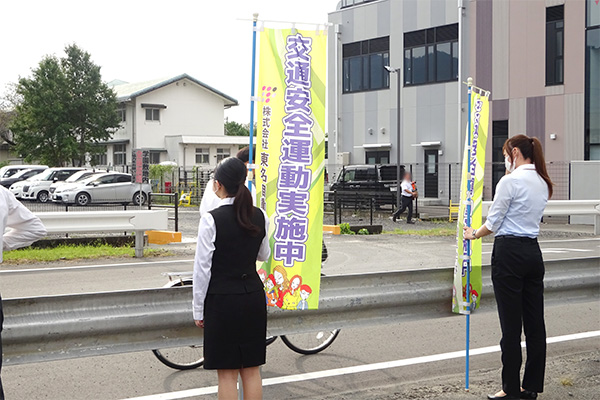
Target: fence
column 448, row 176
column 82, row 325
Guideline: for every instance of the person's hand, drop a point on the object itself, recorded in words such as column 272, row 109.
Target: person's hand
column 199, row 324
column 469, row 233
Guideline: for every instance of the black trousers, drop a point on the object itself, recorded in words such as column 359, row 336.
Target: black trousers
column 407, row 202
column 1, row 322
column 518, row 278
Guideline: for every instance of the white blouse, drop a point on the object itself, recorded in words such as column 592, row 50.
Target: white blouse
column 18, row 225
column 207, row 235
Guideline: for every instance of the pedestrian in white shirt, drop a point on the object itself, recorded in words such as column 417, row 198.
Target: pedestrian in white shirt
column 19, row 228
column 517, row 264
column 210, row 201
column 407, row 199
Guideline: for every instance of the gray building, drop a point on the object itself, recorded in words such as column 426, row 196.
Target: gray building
column 540, row 59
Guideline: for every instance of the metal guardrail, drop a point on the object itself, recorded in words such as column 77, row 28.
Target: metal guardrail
column 64, row 327
column 136, row 221
column 566, row 208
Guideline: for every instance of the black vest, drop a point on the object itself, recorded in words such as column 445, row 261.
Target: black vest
column 234, row 260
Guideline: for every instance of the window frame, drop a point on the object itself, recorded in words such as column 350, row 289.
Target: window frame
column 552, row 57
column 223, row 153
column 120, row 153
column 202, row 154
column 154, row 114
column 427, row 41
column 365, row 55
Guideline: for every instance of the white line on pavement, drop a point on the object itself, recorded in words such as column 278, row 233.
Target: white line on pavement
column 359, row 368
column 18, row 271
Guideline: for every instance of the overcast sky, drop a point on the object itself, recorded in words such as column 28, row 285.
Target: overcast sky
column 138, row 40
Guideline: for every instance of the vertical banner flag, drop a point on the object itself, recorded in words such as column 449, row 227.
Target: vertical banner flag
column 473, row 169
column 290, row 163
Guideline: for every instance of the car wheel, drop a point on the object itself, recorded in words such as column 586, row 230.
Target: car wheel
column 43, row 196
column 82, row 199
column 139, row 198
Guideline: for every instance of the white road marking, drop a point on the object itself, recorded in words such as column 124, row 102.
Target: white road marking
column 183, row 394
column 75, row 267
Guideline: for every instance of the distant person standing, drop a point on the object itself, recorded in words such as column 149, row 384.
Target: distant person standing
column 19, row 228
column 517, row 264
column 229, row 297
column 210, row 201
column 407, row 199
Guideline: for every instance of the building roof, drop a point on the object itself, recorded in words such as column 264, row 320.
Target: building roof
column 127, row 91
column 184, row 139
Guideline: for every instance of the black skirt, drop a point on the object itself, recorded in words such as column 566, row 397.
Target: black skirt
column 235, row 328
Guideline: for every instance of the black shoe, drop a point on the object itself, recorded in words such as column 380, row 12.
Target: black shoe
column 527, row 394
column 394, row 217
column 410, row 222
column 507, row 397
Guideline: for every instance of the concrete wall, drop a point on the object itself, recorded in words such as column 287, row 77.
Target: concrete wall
column 584, row 188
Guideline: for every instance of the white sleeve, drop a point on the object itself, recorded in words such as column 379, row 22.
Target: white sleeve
column 502, row 199
column 207, row 234
column 265, row 249
column 210, row 200
column 24, row 227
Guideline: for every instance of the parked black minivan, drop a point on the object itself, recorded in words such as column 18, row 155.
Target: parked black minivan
column 368, row 181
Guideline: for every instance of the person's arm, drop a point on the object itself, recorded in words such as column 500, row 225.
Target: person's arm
column 498, row 210
column 207, row 233
column 24, row 227
column 265, row 250
column 208, row 198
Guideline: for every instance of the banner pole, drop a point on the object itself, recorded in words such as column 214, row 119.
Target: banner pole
column 469, row 200
column 252, row 101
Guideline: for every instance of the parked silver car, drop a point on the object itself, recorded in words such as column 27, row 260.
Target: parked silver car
column 107, row 187
column 76, row 177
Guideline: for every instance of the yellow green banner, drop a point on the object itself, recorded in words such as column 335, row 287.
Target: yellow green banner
column 290, row 162
column 471, row 195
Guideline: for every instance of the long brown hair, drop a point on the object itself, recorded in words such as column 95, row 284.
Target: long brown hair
column 531, row 148
column 231, row 173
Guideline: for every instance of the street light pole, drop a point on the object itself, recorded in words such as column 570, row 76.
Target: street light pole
column 399, row 132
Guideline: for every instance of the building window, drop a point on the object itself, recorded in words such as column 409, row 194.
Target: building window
column 100, row 158
column 499, row 136
column 122, row 112
column 202, row 155
column 431, row 55
column 222, row 154
column 555, row 28
column 377, row 157
column 154, row 157
column 119, row 155
column 592, row 86
column 363, row 65
column 152, row 114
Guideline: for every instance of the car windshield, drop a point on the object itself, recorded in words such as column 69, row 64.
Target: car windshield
column 9, row 172
column 78, row 176
column 21, row 173
column 37, row 177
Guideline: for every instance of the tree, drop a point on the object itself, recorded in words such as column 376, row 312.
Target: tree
column 65, row 110
column 233, row 128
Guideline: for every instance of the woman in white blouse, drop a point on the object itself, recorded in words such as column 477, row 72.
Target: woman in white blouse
column 517, row 264
column 229, row 299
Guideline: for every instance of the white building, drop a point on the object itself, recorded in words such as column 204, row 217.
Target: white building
column 178, row 119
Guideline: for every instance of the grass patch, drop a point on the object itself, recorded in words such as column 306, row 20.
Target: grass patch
column 71, row 252
column 424, row 232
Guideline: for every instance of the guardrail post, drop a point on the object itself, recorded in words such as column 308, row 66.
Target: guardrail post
column 176, row 197
column 597, row 224
column 139, row 244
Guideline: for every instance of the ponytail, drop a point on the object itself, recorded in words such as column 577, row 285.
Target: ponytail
column 231, row 173
column 537, row 156
column 244, row 210
column 531, row 148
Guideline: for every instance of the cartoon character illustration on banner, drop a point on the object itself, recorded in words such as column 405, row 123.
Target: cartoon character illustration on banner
column 270, row 291
column 292, row 296
column 282, row 283
column 305, row 292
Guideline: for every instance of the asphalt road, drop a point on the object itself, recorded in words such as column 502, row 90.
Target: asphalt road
column 391, row 358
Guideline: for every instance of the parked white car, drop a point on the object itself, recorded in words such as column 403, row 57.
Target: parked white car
column 107, row 187
column 21, row 176
column 17, row 187
column 76, row 177
column 9, row 170
column 39, row 188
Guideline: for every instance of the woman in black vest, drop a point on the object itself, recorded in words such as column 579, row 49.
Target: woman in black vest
column 229, row 299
